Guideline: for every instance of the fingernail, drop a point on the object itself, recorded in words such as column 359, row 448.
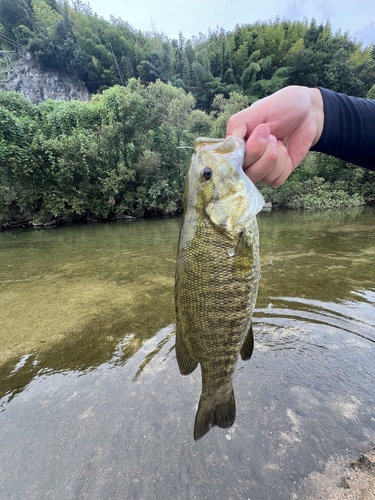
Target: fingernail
column 263, row 133
column 273, row 140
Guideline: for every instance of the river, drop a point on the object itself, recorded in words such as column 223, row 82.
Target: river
column 91, row 401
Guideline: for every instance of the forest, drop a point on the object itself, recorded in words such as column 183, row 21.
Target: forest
column 129, row 147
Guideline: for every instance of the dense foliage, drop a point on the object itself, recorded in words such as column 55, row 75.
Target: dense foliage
column 120, row 151
column 255, row 59
column 127, row 148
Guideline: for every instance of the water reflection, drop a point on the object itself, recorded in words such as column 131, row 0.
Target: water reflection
column 355, row 318
column 70, row 297
column 88, row 377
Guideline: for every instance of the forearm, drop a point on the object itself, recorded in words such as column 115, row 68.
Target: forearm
column 349, row 129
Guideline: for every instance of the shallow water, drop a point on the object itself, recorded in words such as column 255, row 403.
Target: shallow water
column 92, row 404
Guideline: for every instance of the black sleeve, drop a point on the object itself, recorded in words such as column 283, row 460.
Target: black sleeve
column 349, row 129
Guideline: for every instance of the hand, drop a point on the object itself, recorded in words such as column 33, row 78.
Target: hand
column 279, row 130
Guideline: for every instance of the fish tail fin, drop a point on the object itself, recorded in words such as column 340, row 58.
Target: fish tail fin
column 211, row 413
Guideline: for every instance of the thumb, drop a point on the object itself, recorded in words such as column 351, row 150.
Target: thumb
column 256, row 144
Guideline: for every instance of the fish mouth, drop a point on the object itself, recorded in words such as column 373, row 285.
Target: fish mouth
column 229, row 145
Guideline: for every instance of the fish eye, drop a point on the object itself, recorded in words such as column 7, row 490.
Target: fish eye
column 207, row 173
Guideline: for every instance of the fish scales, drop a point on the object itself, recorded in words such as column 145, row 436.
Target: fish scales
column 214, row 302
column 217, row 276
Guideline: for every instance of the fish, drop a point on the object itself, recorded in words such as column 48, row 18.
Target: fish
column 217, row 275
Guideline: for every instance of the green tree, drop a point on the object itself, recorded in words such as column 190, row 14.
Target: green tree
column 371, row 93
column 249, row 75
column 224, row 108
column 199, row 123
column 14, row 13
column 340, row 76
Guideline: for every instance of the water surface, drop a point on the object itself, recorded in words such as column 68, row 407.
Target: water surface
column 92, row 404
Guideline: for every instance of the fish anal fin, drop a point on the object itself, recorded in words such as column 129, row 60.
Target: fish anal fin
column 186, row 363
column 248, row 345
column 208, row 415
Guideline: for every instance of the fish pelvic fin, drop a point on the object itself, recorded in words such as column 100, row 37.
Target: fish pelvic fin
column 248, row 345
column 211, row 413
column 186, row 363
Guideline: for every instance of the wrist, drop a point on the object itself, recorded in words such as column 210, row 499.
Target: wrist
column 318, row 113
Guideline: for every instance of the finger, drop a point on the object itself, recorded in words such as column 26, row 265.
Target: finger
column 236, row 129
column 262, row 167
column 285, row 174
column 244, row 122
column 279, row 167
column 256, row 144
column 236, row 125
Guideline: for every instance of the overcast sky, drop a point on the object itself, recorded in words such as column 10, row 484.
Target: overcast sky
column 194, row 16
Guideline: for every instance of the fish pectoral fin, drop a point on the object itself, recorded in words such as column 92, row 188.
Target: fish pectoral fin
column 246, row 241
column 186, row 363
column 209, row 414
column 248, row 345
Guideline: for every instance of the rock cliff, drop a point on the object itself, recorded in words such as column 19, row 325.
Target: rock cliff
column 37, row 86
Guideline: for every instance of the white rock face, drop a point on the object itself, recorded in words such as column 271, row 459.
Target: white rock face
column 37, row 85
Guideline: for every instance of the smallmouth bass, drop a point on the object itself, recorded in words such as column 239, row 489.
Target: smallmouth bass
column 217, row 275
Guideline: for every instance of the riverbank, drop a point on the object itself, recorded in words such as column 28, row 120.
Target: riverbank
column 89, row 217
column 85, row 218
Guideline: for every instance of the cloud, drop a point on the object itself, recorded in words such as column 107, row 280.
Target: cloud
column 299, row 9
column 366, row 34
column 194, row 16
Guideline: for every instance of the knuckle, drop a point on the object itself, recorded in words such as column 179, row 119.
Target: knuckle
column 272, row 154
column 276, row 183
column 232, row 120
column 230, row 123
